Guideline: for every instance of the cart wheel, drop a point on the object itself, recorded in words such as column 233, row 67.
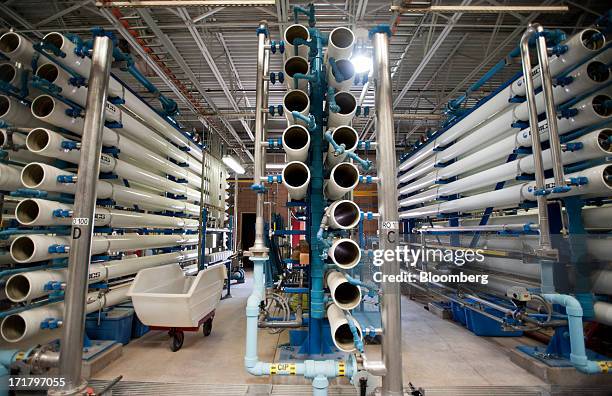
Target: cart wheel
column 177, row 340
column 242, row 275
column 207, row 327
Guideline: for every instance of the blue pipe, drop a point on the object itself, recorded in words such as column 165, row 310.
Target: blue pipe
column 331, row 100
column 578, row 355
column 356, row 338
column 309, row 120
column 338, row 148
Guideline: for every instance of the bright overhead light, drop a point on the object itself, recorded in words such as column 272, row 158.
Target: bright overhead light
column 362, row 63
column 233, row 164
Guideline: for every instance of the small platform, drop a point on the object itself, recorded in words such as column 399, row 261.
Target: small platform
column 561, row 374
column 96, row 360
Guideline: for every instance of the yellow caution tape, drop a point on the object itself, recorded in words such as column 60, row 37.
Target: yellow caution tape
column 341, row 369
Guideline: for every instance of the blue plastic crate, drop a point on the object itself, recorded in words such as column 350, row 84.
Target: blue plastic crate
column 482, row 325
column 138, row 328
column 458, row 312
column 114, row 324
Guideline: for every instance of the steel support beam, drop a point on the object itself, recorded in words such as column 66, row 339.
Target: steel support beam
column 71, row 352
column 479, row 9
column 63, row 12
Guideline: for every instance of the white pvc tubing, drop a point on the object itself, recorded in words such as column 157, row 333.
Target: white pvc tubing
column 49, row 144
column 27, row 286
column 343, row 215
column 294, row 65
column 296, row 100
column 115, row 88
column 17, row 114
column 296, row 178
column 291, row 33
column 340, row 330
column 593, row 147
column 21, row 155
column 342, row 135
column 345, row 253
column 344, row 294
column 130, row 125
column 511, row 196
column 33, row 248
column 340, row 43
column 603, row 312
column 348, row 73
column 51, row 110
column 296, row 142
column 17, row 48
column 348, row 106
column 589, row 113
column 10, row 177
column 577, row 52
column 44, row 177
column 579, row 48
column 37, row 212
column 26, row 324
column 343, row 179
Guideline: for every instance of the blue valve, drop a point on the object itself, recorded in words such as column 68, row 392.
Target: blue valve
column 579, row 181
column 50, row 323
column 57, row 249
column 275, row 178
column 70, row 145
column 573, row 146
column 258, row 188
column 67, row 179
column 569, row 113
column 561, row 189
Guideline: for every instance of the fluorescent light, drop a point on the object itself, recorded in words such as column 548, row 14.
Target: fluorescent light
column 275, row 166
column 362, row 63
column 233, row 164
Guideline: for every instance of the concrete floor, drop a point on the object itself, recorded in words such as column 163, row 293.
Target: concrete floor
column 437, row 353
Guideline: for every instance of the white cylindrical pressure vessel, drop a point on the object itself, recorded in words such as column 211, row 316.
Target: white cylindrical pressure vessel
column 36, row 212
column 296, row 141
column 17, row 48
column 294, row 65
column 342, row 135
column 348, row 106
column 17, row 114
column 340, row 330
column 340, row 43
column 343, row 214
column 10, row 177
column 345, row 295
column 59, row 77
column 343, row 178
column 27, row 286
column 10, row 74
column 345, row 253
column 296, row 177
column 296, row 31
column 33, row 248
column 295, row 100
column 347, row 71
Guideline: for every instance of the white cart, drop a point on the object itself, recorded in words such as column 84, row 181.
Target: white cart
column 166, row 299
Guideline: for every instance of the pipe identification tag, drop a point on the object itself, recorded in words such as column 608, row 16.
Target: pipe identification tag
column 80, row 221
column 283, row 369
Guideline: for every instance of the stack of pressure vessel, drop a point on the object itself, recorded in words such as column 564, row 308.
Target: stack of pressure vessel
column 341, row 214
column 148, row 191
column 492, row 143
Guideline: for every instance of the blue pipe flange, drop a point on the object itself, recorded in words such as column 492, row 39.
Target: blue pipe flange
column 258, row 188
column 50, row 323
column 569, row 113
column 382, row 28
column 66, row 179
column 62, row 213
column 579, row 181
column 57, row 249
column 53, row 286
column 573, row 146
column 275, row 178
column 262, row 30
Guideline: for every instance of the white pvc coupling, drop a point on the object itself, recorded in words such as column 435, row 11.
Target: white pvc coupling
column 342, row 135
column 343, row 178
column 344, row 294
column 343, row 215
column 348, row 106
column 293, row 66
column 296, row 31
column 296, row 142
column 17, row 48
column 347, row 72
column 345, row 253
column 295, row 100
column 340, row 329
column 340, row 43
column 296, row 177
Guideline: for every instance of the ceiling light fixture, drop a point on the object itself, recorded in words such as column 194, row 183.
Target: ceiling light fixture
column 233, row 164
